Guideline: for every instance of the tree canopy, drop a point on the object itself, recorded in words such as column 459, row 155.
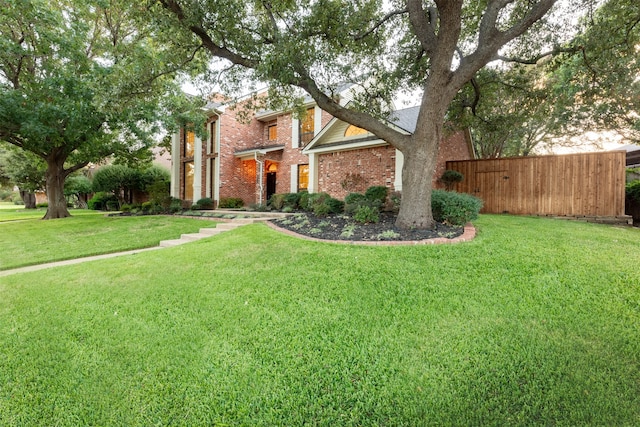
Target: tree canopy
column 385, row 48
column 83, row 80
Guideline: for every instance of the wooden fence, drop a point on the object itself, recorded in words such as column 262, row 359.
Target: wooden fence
column 589, row 184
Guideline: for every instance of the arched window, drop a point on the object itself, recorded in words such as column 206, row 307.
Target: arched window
column 354, row 130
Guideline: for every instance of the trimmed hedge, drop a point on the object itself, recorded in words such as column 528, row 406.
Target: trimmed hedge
column 453, row 208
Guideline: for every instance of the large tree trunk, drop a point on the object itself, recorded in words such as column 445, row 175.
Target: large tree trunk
column 28, row 198
column 420, row 159
column 55, row 190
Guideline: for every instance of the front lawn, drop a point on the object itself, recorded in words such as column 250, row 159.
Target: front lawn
column 535, row 322
column 33, row 241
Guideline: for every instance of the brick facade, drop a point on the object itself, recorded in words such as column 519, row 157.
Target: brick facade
column 339, row 173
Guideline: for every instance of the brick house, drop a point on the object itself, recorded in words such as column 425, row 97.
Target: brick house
column 273, row 152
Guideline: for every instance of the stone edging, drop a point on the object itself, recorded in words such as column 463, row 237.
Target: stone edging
column 468, row 235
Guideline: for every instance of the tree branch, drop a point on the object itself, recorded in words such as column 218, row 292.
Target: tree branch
column 378, row 24
column 423, row 28
column 534, row 60
column 217, row 50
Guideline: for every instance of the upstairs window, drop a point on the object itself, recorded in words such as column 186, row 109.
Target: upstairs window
column 189, row 143
column 272, row 131
column 307, row 127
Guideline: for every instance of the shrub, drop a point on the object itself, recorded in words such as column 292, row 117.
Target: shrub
column 205, row 203
column 118, row 179
column 354, row 198
column 5, row 194
column 377, row 194
column 175, row 205
column 450, row 177
column 16, row 199
column 335, row 206
column 454, row 208
column 366, row 214
column 126, row 208
column 632, row 190
column 276, row 201
column 292, row 200
column 146, row 207
column 42, row 205
column 321, row 209
column 99, row 201
column 303, row 202
column 231, row 202
column 113, row 205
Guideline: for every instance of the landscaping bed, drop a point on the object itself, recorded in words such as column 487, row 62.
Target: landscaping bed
column 343, row 227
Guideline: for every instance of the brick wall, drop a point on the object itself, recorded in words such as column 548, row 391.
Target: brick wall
column 353, row 171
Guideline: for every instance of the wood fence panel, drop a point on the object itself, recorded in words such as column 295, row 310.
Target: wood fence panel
column 587, row 184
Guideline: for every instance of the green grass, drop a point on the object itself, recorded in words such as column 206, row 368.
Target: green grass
column 535, row 322
column 33, row 241
column 11, row 212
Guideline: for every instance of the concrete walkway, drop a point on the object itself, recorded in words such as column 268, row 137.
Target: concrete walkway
column 185, row 238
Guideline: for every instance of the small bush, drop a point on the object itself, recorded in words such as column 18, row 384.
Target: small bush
column 113, row 205
column 303, row 202
column 146, row 207
column 42, row 205
column 205, row 203
column 276, row 201
column 335, row 206
column 175, row 205
column 292, row 200
column 454, row 208
column 231, row 203
column 126, row 208
column 321, row 209
column 366, row 214
column 632, row 190
column 99, row 201
column 377, row 194
column 451, row 177
column 354, row 198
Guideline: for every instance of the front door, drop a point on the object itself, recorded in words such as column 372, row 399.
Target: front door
column 271, row 185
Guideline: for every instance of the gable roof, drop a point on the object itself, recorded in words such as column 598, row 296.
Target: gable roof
column 332, row 136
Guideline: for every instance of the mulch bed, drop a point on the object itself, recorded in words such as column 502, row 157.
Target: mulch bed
column 342, row 227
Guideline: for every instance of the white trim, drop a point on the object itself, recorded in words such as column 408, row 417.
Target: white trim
column 293, row 185
column 397, row 184
column 313, row 173
column 175, row 165
column 345, row 147
column 317, row 120
column 295, row 132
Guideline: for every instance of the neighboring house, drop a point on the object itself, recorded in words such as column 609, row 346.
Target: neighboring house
column 633, row 155
column 273, row 152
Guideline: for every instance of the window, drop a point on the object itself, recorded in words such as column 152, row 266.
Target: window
column 272, row 130
column 189, row 143
column 306, row 127
column 354, row 130
column 303, row 177
column 189, row 172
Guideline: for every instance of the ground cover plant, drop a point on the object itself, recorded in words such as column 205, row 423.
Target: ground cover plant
column 534, row 322
column 33, row 241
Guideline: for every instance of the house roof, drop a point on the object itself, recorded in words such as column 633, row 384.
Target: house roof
column 406, row 119
column 633, row 154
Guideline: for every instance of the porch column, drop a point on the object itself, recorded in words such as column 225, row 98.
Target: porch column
column 397, row 183
column 313, row 173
